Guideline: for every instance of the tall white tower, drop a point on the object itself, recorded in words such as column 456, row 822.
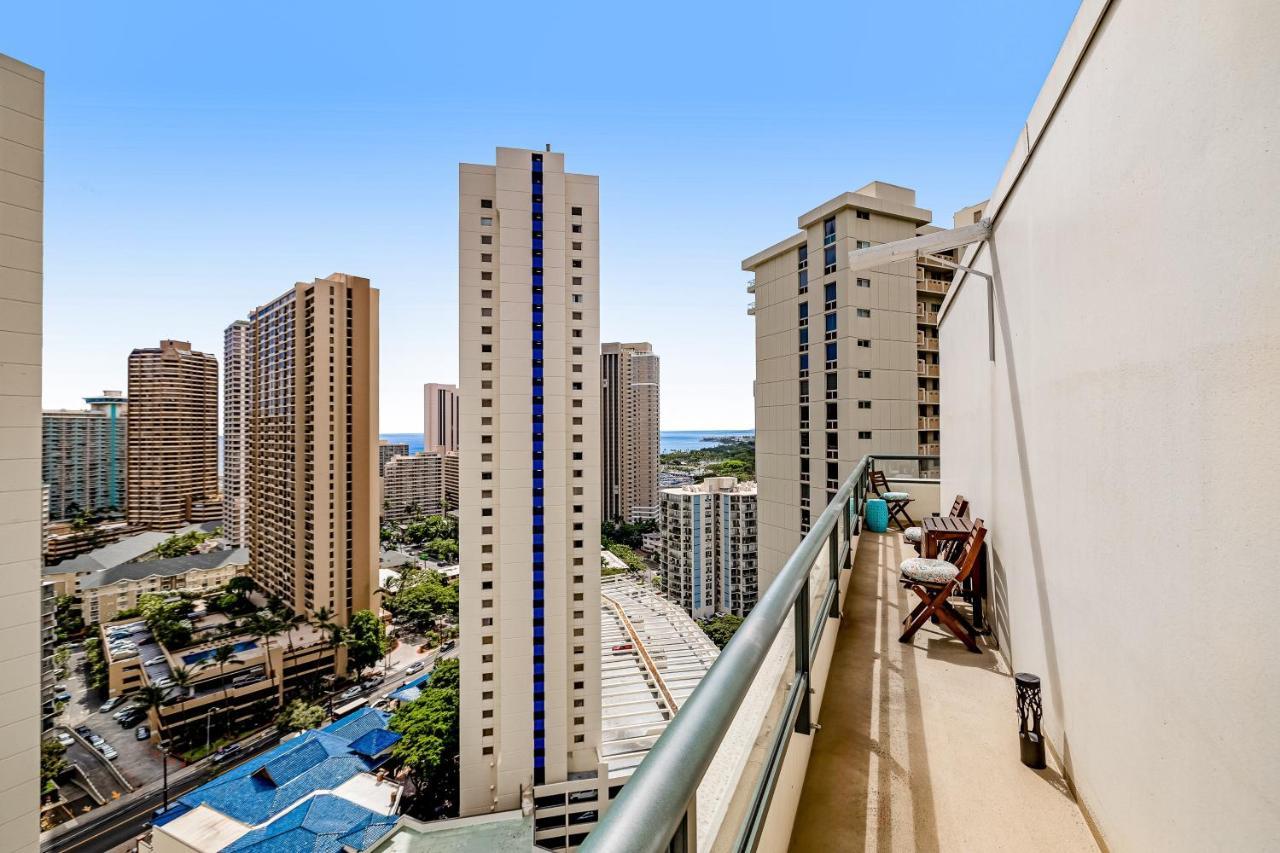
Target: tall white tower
column 528, row 241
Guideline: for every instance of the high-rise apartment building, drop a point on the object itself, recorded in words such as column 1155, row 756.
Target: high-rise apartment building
column 82, row 458
column 440, row 418
column 235, row 430
column 388, row 450
column 21, row 280
column 629, row 424
column 846, row 363
column 418, row 485
column 708, row 554
column 172, row 459
column 312, row 469
column 530, row 517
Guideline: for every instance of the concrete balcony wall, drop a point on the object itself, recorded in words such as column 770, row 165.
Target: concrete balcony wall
column 1122, row 444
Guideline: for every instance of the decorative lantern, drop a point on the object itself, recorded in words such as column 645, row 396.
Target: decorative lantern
column 1029, row 709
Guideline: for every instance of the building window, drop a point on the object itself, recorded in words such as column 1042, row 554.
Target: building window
column 862, row 214
column 802, row 255
column 576, row 211
column 829, row 260
column 577, row 229
column 864, row 282
column 803, row 278
column 831, row 355
column 486, row 257
column 804, row 313
column 486, row 239
column 864, row 343
column 486, row 276
column 577, row 264
column 486, row 294
column 577, row 247
column 486, row 202
column 486, row 220
column 864, row 435
column 864, row 374
column 864, row 244
column 829, row 296
column 829, row 231
column 864, row 312
column 864, row 404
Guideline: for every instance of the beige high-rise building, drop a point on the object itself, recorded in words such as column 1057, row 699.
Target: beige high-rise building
column 530, row 518
column 21, row 282
column 418, row 485
column 388, row 450
column 312, row 469
column 708, row 556
column 83, row 453
column 629, row 425
column 440, row 418
column 235, row 430
column 846, row 363
column 172, row 460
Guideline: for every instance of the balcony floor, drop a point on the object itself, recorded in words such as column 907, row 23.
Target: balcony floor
column 918, row 748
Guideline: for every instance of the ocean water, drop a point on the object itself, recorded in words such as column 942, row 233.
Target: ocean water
column 690, row 439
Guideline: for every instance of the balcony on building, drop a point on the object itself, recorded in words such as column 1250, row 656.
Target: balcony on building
column 1110, row 347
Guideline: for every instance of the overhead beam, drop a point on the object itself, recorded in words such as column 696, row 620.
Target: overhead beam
column 915, row 247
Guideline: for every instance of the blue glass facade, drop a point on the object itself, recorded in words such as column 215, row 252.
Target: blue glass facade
column 539, row 485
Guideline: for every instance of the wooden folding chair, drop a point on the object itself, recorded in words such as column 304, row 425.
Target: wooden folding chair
column 915, row 535
column 934, row 581
column 896, row 501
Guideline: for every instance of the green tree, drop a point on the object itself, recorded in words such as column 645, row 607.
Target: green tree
column 165, row 620
column 447, row 675
column 299, row 716
column 52, row 763
column 68, row 620
column 633, row 560
column 429, row 747
column 153, row 698
column 95, row 663
column 366, row 640
column 61, row 657
column 222, row 656
column 182, row 544
column 264, row 626
column 722, row 628
column 441, row 551
column 422, row 599
column 241, row 586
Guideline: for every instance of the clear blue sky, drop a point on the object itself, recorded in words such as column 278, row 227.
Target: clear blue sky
column 200, row 158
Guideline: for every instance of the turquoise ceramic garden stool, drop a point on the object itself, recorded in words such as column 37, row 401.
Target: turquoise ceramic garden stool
column 877, row 515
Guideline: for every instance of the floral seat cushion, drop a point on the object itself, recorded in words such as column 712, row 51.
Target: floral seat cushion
column 913, row 535
column 896, row 496
column 924, row 570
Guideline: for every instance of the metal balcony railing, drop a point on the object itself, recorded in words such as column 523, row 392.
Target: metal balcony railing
column 654, row 813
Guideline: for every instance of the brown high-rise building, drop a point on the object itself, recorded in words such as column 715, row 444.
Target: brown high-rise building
column 628, row 432
column 312, row 445
column 172, row 460
column 440, row 422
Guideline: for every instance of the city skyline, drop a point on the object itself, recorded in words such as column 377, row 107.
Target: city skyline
column 152, row 176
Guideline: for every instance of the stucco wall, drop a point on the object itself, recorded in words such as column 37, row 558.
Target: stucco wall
column 1123, row 444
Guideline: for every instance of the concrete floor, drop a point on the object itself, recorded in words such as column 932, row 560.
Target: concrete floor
column 918, row 748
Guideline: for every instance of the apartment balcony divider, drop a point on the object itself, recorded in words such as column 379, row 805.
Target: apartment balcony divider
column 656, row 810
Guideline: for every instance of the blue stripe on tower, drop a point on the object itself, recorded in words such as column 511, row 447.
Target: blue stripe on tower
column 539, row 484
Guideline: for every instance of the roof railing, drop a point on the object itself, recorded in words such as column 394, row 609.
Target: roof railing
column 655, row 812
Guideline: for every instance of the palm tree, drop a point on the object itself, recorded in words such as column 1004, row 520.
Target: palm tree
column 264, row 625
column 337, row 637
column 152, row 698
column 222, row 655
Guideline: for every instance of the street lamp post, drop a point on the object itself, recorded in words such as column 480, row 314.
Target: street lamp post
column 207, row 716
column 164, row 758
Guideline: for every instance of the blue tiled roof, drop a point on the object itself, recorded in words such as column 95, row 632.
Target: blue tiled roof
column 322, row 824
column 374, row 742
column 355, row 725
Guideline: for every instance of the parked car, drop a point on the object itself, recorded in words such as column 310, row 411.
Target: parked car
column 96, row 740
column 164, row 682
column 83, row 731
column 61, row 693
column 155, row 661
column 135, row 716
column 108, row 751
column 416, row 666
column 447, row 646
column 370, row 683
column 350, row 693
column 225, row 752
column 142, row 733
column 124, row 653
column 109, row 704
column 65, row 739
